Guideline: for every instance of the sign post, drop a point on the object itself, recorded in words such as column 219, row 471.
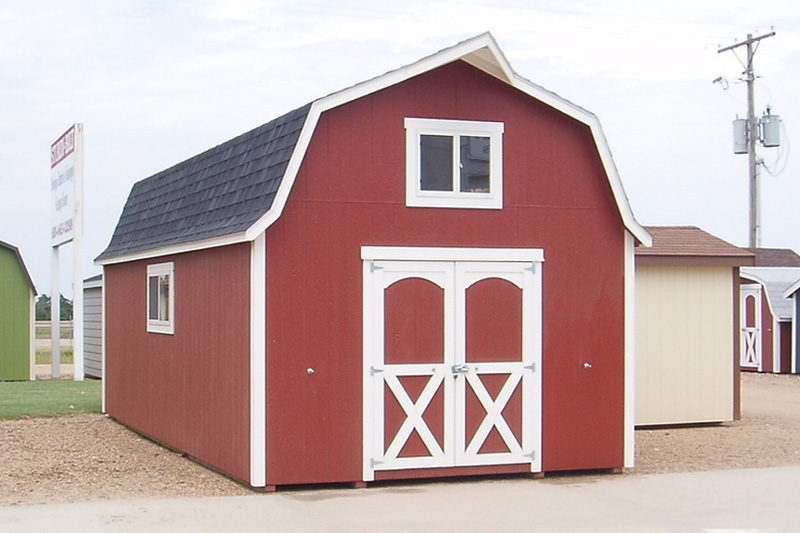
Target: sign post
column 66, row 188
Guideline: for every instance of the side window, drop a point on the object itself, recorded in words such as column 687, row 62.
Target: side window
column 161, row 298
column 454, row 163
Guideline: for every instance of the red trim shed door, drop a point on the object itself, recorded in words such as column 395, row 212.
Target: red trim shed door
column 751, row 326
column 452, row 361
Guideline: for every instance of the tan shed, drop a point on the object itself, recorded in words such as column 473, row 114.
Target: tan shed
column 687, row 327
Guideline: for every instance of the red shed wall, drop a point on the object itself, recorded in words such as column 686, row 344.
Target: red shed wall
column 350, row 192
column 189, row 390
column 786, row 347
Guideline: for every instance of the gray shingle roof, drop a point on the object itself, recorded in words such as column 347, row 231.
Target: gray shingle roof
column 220, row 192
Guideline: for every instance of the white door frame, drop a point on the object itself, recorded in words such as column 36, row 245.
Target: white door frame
column 454, row 270
column 751, row 336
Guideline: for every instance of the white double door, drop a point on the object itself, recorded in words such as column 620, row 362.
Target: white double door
column 452, row 364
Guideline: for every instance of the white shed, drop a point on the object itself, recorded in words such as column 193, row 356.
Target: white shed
column 93, row 327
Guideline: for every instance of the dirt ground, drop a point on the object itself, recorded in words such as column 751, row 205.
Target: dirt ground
column 90, row 457
column 767, row 435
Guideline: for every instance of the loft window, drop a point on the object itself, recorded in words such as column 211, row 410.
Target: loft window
column 454, row 163
column 161, row 298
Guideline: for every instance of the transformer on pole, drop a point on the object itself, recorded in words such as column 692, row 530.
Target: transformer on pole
column 750, row 128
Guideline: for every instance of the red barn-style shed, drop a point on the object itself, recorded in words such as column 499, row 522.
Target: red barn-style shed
column 427, row 274
column 768, row 313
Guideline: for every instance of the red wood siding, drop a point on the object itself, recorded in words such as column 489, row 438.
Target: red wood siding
column 189, row 390
column 350, row 192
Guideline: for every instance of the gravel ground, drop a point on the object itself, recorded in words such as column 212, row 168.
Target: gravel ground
column 90, row 457
column 767, row 435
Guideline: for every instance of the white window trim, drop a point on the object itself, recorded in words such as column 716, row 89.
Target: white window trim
column 162, row 326
column 415, row 197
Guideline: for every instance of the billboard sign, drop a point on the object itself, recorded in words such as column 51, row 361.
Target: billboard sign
column 65, row 171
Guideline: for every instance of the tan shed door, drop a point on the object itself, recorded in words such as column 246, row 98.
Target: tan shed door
column 453, row 367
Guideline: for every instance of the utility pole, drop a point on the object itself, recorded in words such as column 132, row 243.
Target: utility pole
column 749, row 77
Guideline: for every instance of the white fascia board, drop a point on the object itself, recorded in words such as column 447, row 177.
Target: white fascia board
column 590, row 119
column 282, row 196
column 411, row 253
column 177, row 249
column 788, row 293
column 748, row 275
column 481, row 51
column 95, row 284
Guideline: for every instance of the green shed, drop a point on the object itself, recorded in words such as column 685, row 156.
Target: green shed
column 17, row 293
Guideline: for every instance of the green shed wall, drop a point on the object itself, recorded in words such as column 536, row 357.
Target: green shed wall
column 15, row 318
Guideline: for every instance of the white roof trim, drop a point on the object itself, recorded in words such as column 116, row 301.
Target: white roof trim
column 177, row 249
column 788, row 293
column 766, row 292
column 483, row 53
column 93, row 284
column 750, row 276
column 762, row 283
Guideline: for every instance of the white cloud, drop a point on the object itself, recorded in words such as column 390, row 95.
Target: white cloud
column 155, row 82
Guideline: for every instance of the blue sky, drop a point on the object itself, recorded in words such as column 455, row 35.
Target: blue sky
column 155, row 82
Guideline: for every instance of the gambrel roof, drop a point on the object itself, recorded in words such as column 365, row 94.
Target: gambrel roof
column 21, row 261
column 234, row 192
column 220, row 192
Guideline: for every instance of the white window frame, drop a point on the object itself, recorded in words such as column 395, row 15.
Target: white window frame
column 162, row 326
column 416, row 197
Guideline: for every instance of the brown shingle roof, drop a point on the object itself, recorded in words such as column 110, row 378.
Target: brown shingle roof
column 775, row 257
column 690, row 241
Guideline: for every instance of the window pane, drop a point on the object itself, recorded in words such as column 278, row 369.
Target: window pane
column 436, row 162
column 163, row 297
column 475, row 152
column 152, row 297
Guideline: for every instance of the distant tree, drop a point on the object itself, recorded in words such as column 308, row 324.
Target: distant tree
column 66, row 308
column 44, row 306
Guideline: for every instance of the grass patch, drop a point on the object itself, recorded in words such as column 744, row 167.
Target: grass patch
column 44, row 355
column 45, row 399
column 45, row 332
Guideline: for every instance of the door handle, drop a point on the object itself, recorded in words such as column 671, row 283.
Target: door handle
column 460, row 369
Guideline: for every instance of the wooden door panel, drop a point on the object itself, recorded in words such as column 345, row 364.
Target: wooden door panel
column 414, row 322
column 494, row 321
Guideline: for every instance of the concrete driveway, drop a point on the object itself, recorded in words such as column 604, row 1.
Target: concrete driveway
column 755, row 500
